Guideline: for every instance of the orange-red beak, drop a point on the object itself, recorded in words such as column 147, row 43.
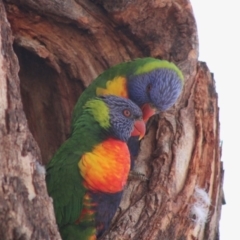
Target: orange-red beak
column 147, row 111
column 139, row 129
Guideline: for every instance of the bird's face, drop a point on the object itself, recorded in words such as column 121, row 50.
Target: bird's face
column 155, row 90
column 125, row 118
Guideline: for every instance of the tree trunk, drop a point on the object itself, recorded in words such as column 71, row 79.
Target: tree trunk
column 61, row 47
column 26, row 211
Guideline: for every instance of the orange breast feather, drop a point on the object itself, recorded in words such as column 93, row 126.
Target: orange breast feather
column 106, row 168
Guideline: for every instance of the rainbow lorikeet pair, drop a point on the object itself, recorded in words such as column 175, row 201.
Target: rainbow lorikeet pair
column 87, row 175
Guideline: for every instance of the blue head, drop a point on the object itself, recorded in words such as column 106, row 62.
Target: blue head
column 125, row 117
column 160, row 88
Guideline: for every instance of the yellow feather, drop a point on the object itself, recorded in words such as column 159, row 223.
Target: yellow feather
column 116, row 86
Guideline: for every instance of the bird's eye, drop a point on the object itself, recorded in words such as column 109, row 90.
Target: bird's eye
column 126, row 113
column 149, row 87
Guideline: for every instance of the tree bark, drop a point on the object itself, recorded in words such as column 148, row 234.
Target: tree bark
column 26, row 211
column 61, row 47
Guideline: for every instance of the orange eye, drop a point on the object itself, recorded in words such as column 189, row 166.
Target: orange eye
column 149, row 87
column 126, row 113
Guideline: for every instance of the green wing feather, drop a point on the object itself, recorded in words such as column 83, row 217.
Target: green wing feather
column 65, row 185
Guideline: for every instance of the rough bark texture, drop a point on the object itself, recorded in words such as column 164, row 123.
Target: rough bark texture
column 26, row 211
column 61, row 47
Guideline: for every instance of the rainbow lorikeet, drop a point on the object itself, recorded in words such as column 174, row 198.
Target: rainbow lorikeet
column 152, row 84
column 87, row 174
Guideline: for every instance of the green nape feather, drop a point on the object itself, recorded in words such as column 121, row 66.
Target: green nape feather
column 99, row 111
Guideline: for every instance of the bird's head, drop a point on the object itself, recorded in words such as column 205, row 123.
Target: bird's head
column 120, row 117
column 155, row 87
